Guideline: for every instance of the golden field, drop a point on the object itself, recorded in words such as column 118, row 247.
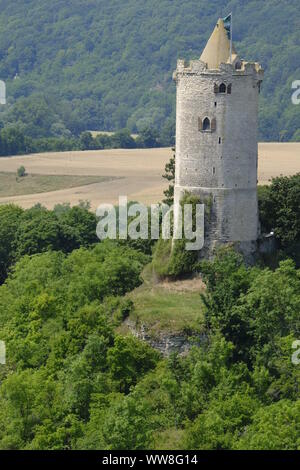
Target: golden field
column 137, row 173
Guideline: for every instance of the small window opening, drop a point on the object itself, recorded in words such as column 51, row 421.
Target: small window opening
column 215, row 104
column 206, row 124
column 238, row 65
column 220, row 140
column 214, row 170
column 259, row 86
column 222, row 88
column 229, row 89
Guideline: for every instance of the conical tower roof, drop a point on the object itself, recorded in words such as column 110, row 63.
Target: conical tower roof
column 217, row 50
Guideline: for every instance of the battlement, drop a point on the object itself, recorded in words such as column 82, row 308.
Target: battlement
column 237, row 68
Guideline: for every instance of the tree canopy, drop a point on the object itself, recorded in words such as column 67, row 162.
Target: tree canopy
column 72, row 66
column 75, row 378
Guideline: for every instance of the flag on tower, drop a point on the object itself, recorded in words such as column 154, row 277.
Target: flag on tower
column 228, row 26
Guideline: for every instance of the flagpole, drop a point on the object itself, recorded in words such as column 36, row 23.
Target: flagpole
column 231, row 39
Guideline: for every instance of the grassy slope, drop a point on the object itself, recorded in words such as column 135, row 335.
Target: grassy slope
column 168, row 307
column 10, row 185
column 161, row 309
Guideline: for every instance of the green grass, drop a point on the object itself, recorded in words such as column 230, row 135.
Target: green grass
column 170, row 439
column 162, row 309
column 11, row 185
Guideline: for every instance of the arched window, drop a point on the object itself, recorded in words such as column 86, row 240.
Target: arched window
column 238, row 65
column 206, row 124
column 229, row 88
column 222, row 88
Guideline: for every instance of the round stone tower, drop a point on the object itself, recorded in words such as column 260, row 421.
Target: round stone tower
column 216, row 141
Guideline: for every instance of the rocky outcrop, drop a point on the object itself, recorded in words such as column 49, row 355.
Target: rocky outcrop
column 166, row 342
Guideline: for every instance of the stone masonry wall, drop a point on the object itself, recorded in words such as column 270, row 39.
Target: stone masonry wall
column 221, row 163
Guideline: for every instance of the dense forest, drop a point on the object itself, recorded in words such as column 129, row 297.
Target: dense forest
column 73, row 378
column 13, row 141
column 73, row 65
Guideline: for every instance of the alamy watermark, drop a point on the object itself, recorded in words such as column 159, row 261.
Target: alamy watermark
column 2, row 343
column 137, row 221
column 296, row 355
column 2, row 353
column 2, row 92
column 296, row 94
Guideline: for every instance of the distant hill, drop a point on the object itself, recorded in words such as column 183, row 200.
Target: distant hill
column 72, row 65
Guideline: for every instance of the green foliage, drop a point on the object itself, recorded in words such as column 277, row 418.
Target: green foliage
column 9, row 221
column 181, row 261
column 170, row 176
column 161, row 257
column 251, row 307
column 129, row 360
column 273, row 428
column 227, row 279
column 73, row 380
column 265, row 214
column 280, row 210
column 118, row 423
column 66, row 72
column 218, row 427
column 57, row 315
column 123, row 139
column 148, row 138
column 174, row 259
column 86, row 141
column 21, row 172
column 38, row 230
column 13, row 141
column 271, row 305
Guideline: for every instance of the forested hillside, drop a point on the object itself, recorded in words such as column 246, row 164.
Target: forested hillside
column 74, row 65
column 76, row 379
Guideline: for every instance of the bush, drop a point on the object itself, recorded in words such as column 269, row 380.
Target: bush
column 21, row 172
column 161, row 257
column 172, row 258
column 275, row 427
column 129, row 359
